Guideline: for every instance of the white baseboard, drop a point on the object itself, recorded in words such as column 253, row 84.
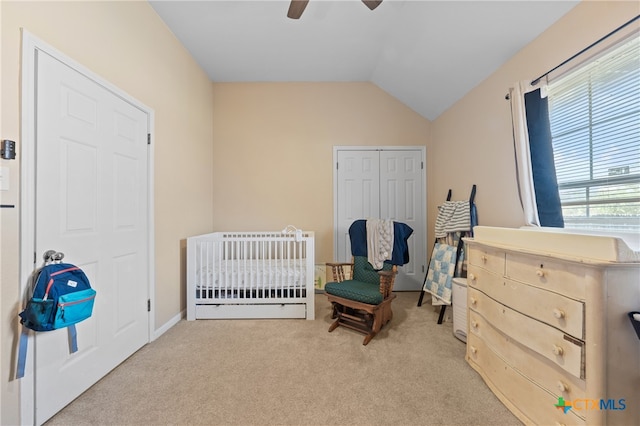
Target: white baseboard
column 167, row 325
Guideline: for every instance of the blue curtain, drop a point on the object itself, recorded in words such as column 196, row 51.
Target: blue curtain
column 542, row 162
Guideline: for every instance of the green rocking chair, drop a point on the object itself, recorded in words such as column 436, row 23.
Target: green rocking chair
column 361, row 296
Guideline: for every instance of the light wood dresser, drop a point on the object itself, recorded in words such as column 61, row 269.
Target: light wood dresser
column 548, row 326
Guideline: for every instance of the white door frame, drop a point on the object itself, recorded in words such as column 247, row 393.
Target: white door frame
column 423, row 154
column 30, row 46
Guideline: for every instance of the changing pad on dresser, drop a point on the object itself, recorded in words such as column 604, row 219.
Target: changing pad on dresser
column 592, row 246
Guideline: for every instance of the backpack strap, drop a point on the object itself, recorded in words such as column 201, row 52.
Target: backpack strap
column 24, row 340
column 73, row 338
column 22, row 352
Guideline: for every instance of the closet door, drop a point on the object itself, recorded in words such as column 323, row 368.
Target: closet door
column 401, row 199
column 386, row 184
column 358, row 193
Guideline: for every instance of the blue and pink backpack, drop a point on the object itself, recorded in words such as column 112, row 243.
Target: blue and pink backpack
column 61, row 297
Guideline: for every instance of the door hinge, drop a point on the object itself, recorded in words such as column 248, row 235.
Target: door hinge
column 148, row 305
column 148, row 138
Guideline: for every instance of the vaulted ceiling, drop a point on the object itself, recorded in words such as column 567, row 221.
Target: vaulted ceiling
column 427, row 54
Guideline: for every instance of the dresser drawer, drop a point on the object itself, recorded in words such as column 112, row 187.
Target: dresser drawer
column 487, row 258
column 546, row 306
column 486, row 281
column 561, row 277
column 532, row 404
column 563, row 350
column 538, row 369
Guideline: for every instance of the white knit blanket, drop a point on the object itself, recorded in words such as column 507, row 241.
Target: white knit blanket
column 379, row 241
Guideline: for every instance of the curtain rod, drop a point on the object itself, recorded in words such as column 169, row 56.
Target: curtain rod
column 535, row 81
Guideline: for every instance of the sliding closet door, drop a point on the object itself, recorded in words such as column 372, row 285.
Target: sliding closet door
column 387, row 184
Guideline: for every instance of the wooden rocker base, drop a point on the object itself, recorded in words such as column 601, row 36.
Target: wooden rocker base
column 361, row 317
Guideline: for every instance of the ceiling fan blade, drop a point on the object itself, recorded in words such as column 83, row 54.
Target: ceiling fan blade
column 372, row 4
column 296, row 8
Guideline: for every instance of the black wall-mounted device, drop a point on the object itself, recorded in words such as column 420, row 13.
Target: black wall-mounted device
column 8, row 149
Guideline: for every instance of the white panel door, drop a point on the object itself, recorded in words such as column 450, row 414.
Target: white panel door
column 91, row 204
column 386, row 184
column 358, row 193
column 401, row 199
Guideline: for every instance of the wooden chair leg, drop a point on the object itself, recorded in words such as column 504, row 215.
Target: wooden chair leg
column 387, row 314
column 334, row 311
column 368, row 338
column 377, row 322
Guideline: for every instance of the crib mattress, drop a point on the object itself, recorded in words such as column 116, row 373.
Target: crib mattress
column 255, row 273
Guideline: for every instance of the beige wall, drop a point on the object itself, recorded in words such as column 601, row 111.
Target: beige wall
column 273, row 150
column 475, row 135
column 128, row 45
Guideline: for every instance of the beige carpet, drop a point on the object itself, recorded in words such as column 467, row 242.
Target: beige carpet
column 293, row 372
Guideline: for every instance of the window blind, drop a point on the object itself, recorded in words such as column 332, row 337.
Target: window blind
column 594, row 114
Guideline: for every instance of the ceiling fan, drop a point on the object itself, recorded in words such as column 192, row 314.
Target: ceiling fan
column 297, row 7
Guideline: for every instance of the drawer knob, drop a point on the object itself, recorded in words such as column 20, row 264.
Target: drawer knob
column 562, row 387
column 558, row 313
column 474, row 324
column 484, row 259
column 473, row 349
column 540, row 273
column 473, row 301
column 557, row 350
column 472, row 277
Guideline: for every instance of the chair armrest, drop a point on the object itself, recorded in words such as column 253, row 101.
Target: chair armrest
column 338, row 270
column 387, row 278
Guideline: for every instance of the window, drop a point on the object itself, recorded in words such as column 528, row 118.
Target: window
column 594, row 113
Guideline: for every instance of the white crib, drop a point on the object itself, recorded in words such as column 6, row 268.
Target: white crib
column 233, row 275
